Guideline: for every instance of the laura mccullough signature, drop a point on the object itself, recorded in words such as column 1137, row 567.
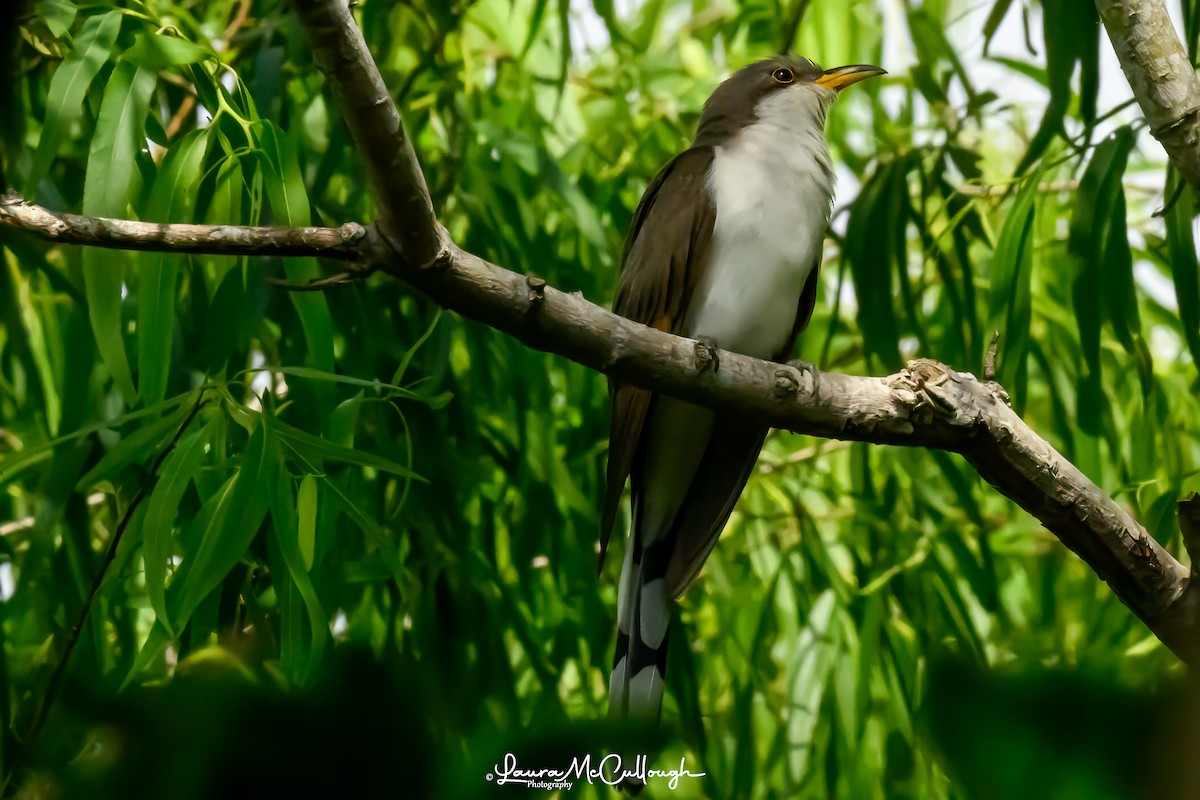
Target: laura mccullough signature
column 610, row 770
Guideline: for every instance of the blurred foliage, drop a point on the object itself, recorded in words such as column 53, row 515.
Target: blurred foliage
column 352, row 469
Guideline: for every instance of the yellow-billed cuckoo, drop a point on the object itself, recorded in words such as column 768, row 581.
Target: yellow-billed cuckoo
column 724, row 247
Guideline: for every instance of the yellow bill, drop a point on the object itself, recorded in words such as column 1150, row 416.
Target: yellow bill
column 841, row 77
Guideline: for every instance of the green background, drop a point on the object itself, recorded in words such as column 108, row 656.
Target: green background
column 370, row 570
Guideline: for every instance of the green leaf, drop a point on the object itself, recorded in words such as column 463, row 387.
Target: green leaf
column 412, row 351
column 110, row 182
column 374, row 531
column 1010, row 301
column 808, row 678
column 606, row 9
column 172, row 199
column 177, row 471
column 1031, row 71
column 992, row 23
column 64, row 100
column 289, row 206
column 379, row 386
column 874, row 240
column 286, row 524
column 1071, row 30
column 306, row 531
column 13, row 464
column 1087, row 232
column 1104, row 289
column 564, row 43
column 58, row 15
column 1184, row 265
column 158, row 51
column 535, row 25
column 315, row 450
column 151, row 651
column 651, row 13
column 138, row 446
column 108, row 186
column 344, row 420
column 233, row 314
column 231, row 529
column 1120, row 291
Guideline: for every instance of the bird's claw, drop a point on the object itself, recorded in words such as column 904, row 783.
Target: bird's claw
column 810, row 369
column 707, row 354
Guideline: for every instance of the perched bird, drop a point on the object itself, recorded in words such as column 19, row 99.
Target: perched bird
column 724, row 247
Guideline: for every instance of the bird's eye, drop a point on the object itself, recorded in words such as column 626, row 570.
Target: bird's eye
column 783, row 75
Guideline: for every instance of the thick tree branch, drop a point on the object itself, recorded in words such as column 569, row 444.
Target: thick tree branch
column 927, row 405
column 342, row 243
column 1162, row 78
column 406, row 218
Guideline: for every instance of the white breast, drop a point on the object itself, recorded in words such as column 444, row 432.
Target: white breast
column 773, row 189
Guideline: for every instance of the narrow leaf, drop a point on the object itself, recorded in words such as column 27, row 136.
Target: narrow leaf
column 64, row 101
column 1184, row 260
column 158, row 51
column 177, row 472
column 138, row 446
column 58, row 15
column 306, row 532
column 1011, row 301
column 172, row 199
column 107, row 189
column 231, row 529
column 315, row 450
column 289, row 206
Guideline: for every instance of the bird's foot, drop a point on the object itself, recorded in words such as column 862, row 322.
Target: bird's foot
column 809, row 369
column 707, row 354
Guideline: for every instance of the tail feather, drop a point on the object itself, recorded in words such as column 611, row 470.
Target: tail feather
column 643, row 622
column 640, row 662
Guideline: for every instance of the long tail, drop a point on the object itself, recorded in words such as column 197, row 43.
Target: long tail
column 635, row 688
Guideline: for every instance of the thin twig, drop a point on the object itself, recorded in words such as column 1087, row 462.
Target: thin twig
column 825, row 447
column 322, row 284
column 60, row 668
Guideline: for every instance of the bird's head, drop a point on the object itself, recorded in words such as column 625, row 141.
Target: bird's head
column 788, row 88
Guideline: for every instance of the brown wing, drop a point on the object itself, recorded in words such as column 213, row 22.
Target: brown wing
column 728, row 461
column 656, row 270
column 808, row 301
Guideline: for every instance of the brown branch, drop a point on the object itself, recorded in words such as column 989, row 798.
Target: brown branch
column 1161, row 76
column 406, row 218
column 926, row 405
column 341, row 243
